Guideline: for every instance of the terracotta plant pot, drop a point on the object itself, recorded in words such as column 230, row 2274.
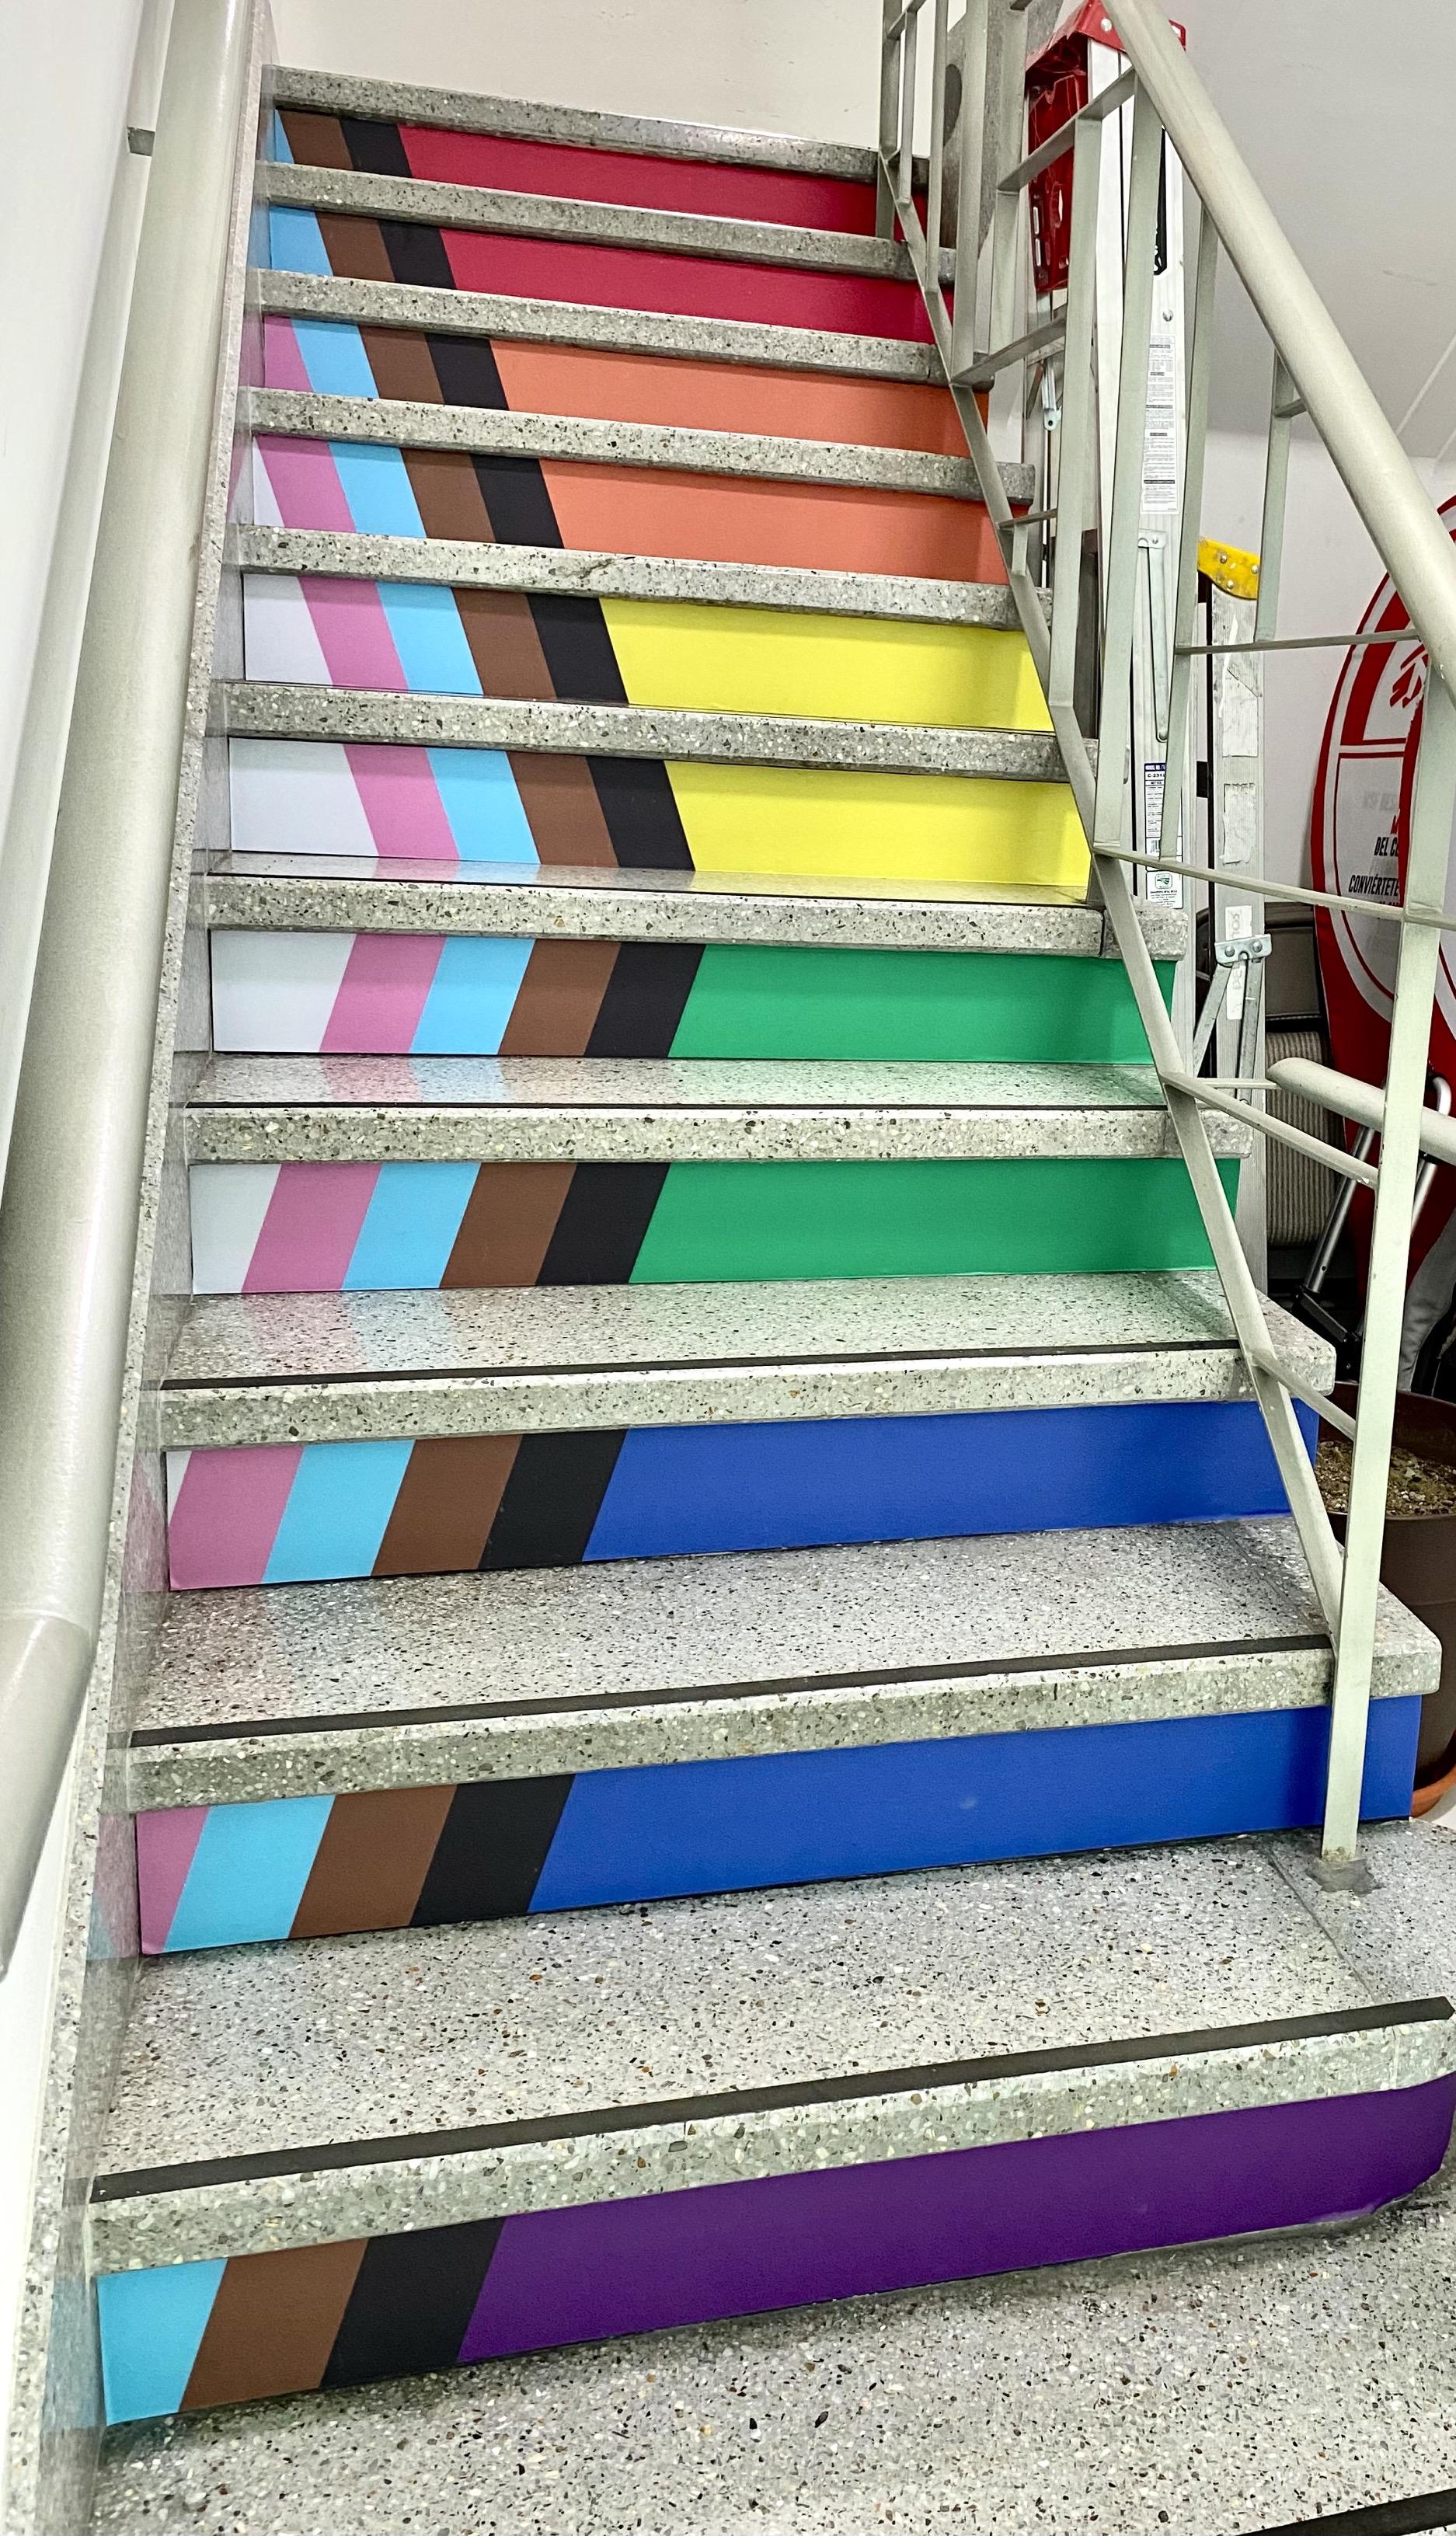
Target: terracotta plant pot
column 1419, row 1564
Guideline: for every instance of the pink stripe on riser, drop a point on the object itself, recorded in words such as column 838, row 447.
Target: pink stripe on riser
column 166, row 1844
column 306, row 483
column 354, row 633
column 313, row 1221
column 402, row 802
column 227, row 1511
column 384, row 991
column 282, row 362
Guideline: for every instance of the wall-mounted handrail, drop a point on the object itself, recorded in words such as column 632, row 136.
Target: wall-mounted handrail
column 71, row 1203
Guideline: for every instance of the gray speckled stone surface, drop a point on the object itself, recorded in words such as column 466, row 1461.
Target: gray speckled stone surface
column 394, row 2036
column 479, row 207
column 419, row 1682
column 348, row 1109
column 469, row 562
column 1211, row 2392
column 404, row 426
column 608, row 329
column 248, row 708
column 316, row 1368
column 581, row 127
column 306, row 892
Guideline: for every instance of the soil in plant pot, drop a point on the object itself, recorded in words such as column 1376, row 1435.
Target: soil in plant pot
column 1416, row 1486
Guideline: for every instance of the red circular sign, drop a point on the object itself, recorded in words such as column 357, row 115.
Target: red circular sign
column 1361, row 807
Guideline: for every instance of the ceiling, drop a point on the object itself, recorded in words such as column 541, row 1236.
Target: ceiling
column 1347, row 117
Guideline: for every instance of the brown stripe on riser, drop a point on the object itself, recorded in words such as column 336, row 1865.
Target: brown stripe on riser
column 275, row 2322
column 554, row 1224
column 448, row 1499
column 561, row 996
column 374, row 1859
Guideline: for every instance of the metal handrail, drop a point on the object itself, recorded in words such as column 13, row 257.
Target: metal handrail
column 70, row 1206
column 1314, row 373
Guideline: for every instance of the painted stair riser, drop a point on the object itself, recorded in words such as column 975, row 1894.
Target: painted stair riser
column 512, row 163
column 419, row 637
column 395, row 1858
column 592, row 275
column 275, row 1514
column 488, row 995
column 597, row 507
column 331, row 356
column 339, row 1228
column 519, row 807
column 189, row 2335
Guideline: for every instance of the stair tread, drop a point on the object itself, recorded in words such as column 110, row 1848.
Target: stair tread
column 445, row 2073
column 578, row 126
column 263, row 708
column 402, row 422
column 664, row 1083
column 899, row 597
column 510, row 211
column 340, row 299
column 343, row 1338
column 410, row 1681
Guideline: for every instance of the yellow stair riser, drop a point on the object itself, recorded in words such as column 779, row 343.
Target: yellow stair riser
column 823, row 824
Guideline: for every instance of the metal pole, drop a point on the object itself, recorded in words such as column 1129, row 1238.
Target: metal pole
column 1428, row 847
column 884, row 197
column 72, row 1199
column 1120, row 563
column 1200, row 372
column 936, row 177
column 1078, row 421
column 1276, row 495
column 975, row 36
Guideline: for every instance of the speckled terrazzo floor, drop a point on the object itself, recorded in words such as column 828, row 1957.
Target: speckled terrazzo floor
column 1216, row 2392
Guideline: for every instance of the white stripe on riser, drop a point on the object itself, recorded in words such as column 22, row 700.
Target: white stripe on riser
column 230, row 1202
column 275, row 990
column 279, row 639
column 296, row 796
column 266, row 511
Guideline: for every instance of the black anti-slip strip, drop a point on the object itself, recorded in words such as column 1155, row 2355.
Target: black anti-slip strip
column 1411, row 2517
column 792, row 1686
column 347, row 1376
column 332, row 2156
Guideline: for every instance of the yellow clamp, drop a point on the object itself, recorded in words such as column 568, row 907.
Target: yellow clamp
column 1229, row 568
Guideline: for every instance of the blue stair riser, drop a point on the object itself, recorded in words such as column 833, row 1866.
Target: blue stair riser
column 301, row 1867
column 273, row 1514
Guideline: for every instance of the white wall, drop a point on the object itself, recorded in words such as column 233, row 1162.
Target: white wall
column 803, row 65
column 77, row 72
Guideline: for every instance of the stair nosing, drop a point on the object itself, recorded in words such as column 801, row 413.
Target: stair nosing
column 513, row 212
column 472, row 563
column 402, row 423
column 577, row 127
column 423, row 306
column 256, row 709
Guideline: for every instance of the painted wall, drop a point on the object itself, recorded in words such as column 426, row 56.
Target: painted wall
column 70, row 201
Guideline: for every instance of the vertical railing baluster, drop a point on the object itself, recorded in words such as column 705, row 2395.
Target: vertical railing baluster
column 1120, row 559
column 884, row 197
column 1077, row 429
column 1428, row 850
column 1276, row 495
column 1185, row 605
column 935, row 180
column 965, row 331
column 905, row 165
column 1004, row 324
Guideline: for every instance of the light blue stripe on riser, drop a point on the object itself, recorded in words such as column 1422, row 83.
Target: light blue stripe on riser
column 248, row 1873
column 151, row 2326
column 473, row 996
column 334, row 358
column 411, row 1220
column 377, row 489
column 482, row 805
column 429, row 639
column 338, row 1508
column 296, row 242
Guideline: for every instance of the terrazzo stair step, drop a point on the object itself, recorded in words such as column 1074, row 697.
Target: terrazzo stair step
column 372, row 188
column 444, row 2145
column 781, row 484
column 311, row 1760
column 482, row 779
column 415, row 1433
column 578, row 151
column 311, row 954
column 314, row 1173
column 642, row 651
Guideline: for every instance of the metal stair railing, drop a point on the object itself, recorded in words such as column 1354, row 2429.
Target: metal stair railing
column 70, row 1210
column 981, row 335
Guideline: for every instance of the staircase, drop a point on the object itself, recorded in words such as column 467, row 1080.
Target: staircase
column 706, row 1395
